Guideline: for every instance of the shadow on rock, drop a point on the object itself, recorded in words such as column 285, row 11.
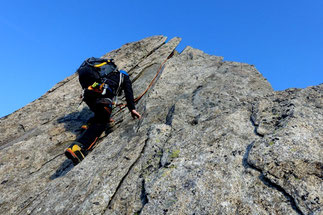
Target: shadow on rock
column 65, row 167
column 246, row 155
column 74, row 121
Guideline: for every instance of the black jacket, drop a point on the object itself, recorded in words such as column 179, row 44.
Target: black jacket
column 87, row 76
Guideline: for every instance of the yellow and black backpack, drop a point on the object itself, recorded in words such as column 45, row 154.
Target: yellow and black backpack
column 94, row 75
column 97, row 69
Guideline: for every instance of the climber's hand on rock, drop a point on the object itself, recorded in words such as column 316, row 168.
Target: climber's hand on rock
column 135, row 114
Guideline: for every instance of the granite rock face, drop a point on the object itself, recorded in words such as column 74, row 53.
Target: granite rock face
column 214, row 139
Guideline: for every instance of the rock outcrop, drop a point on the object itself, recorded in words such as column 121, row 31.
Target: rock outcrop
column 214, row 138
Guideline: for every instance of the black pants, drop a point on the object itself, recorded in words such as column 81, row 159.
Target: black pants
column 102, row 111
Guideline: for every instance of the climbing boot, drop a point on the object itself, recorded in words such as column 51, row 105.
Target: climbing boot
column 75, row 153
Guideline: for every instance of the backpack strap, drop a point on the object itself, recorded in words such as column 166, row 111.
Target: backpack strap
column 120, row 82
column 119, row 87
column 122, row 74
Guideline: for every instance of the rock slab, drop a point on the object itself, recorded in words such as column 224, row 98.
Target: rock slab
column 215, row 138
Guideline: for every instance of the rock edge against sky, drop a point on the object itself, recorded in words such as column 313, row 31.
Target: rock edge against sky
column 215, row 138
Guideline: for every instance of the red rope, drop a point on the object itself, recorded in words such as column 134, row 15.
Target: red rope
column 122, row 106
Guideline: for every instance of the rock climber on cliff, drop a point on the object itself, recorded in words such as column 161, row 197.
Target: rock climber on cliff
column 101, row 82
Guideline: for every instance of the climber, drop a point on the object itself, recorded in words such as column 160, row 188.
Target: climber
column 101, row 82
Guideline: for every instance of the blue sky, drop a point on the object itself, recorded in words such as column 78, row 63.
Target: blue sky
column 44, row 41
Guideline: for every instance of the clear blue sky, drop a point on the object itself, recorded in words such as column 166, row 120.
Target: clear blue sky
column 44, row 41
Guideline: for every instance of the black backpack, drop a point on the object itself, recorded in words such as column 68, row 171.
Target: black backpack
column 97, row 70
column 105, row 65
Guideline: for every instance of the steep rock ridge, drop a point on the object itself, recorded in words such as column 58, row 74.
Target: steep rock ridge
column 214, row 139
column 54, row 102
column 33, row 156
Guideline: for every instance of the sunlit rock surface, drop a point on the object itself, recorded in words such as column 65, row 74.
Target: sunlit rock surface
column 214, row 139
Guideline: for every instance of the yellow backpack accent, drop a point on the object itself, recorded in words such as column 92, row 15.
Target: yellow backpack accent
column 101, row 64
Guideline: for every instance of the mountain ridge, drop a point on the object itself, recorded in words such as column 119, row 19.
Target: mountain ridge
column 214, row 138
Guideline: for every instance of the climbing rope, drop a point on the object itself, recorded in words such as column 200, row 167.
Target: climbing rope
column 122, row 106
